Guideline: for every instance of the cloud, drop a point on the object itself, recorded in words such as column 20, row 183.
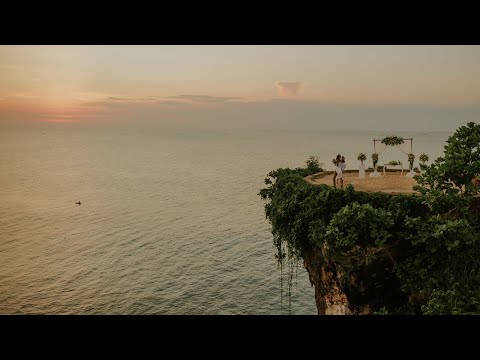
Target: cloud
column 87, row 96
column 10, row 67
column 55, row 116
column 105, row 103
column 151, row 99
column 26, row 96
column 117, row 101
column 288, row 88
column 205, row 98
column 114, row 98
column 170, row 102
column 57, row 120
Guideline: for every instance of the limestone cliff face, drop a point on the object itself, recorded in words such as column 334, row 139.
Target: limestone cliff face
column 361, row 292
column 329, row 297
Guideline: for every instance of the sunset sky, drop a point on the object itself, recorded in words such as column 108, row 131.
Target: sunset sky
column 180, row 83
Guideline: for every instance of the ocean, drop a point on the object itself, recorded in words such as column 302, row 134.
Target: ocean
column 169, row 223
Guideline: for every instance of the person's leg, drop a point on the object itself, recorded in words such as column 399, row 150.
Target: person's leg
column 335, row 179
column 340, row 179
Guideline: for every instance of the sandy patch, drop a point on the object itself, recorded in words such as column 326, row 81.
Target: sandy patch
column 391, row 182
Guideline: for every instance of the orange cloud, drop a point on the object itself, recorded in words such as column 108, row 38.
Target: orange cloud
column 288, row 88
column 57, row 120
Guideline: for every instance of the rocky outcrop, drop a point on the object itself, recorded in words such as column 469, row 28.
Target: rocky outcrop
column 362, row 291
column 329, row 297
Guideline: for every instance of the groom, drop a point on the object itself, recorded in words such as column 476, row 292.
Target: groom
column 342, row 166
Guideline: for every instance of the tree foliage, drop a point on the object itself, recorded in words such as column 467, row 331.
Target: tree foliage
column 451, row 302
column 372, row 226
column 456, row 171
column 431, row 241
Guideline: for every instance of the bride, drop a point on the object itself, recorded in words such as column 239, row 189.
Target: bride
column 337, row 174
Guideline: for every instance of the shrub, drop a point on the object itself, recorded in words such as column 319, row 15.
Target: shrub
column 313, row 164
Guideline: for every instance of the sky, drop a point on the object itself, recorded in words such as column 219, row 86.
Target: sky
column 241, row 86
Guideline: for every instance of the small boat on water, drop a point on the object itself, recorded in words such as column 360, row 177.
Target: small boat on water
column 78, row 203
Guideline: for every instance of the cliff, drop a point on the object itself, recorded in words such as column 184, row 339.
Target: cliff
column 358, row 292
column 377, row 253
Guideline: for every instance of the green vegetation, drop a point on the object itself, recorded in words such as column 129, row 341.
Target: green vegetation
column 392, row 140
column 411, row 159
column 457, row 170
column 427, row 247
column 362, row 157
column 313, row 164
column 375, row 160
column 423, row 158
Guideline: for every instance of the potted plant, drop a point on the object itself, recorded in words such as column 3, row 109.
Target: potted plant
column 362, row 157
column 411, row 159
column 375, row 161
column 423, row 158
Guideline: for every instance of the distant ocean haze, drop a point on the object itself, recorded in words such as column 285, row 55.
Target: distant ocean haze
column 275, row 114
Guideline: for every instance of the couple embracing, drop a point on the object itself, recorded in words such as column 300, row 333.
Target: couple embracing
column 340, row 166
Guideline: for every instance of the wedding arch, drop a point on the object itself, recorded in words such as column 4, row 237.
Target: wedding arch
column 405, row 145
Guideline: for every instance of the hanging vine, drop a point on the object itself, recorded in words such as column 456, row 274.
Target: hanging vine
column 292, row 262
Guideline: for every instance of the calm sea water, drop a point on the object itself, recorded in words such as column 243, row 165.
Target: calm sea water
column 170, row 221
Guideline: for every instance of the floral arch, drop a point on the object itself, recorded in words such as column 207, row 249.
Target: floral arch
column 405, row 145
